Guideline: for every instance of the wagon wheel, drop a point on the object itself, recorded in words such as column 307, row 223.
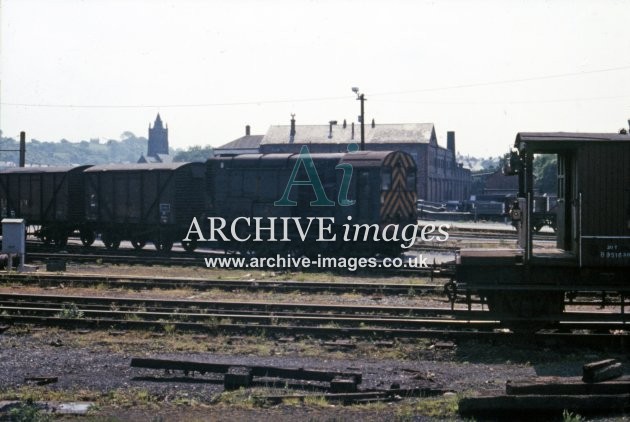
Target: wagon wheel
column 230, row 248
column 450, row 289
column 189, row 245
column 46, row 239
column 138, row 244
column 248, row 250
column 61, row 240
column 45, row 235
column 112, row 244
column 87, row 237
column 111, row 241
column 519, row 310
column 163, row 244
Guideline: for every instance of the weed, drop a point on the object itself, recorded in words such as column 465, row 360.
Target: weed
column 571, row 417
column 132, row 317
column 169, row 329
column 440, row 407
column 70, row 311
column 291, row 401
column 317, row 401
column 212, row 323
column 28, row 412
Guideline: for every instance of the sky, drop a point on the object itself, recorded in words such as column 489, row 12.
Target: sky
column 81, row 69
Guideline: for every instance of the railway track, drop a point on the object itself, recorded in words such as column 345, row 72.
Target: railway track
column 147, row 283
column 74, row 251
column 321, row 320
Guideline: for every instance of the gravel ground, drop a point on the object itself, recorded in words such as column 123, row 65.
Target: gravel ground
column 97, row 368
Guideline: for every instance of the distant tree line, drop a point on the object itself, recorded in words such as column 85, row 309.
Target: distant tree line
column 194, row 153
column 95, row 151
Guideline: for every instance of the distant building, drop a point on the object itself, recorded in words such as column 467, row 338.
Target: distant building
column 439, row 178
column 498, row 183
column 248, row 144
column 158, row 144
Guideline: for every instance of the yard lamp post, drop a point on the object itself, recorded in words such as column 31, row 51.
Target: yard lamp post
column 361, row 97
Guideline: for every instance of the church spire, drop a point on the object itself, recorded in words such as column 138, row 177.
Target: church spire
column 158, row 122
column 158, row 138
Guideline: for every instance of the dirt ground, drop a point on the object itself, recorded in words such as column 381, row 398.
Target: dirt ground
column 94, row 366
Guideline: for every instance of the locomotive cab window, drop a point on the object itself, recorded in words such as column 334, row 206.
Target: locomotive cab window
column 386, row 179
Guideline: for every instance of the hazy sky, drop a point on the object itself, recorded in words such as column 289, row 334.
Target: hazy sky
column 485, row 69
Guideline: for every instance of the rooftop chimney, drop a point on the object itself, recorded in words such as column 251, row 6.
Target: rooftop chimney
column 450, row 141
column 247, row 130
column 330, row 125
column 292, row 133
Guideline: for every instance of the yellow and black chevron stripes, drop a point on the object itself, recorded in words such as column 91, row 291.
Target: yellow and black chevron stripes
column 399, row 178
column 398, row 206
column 398, row 203
column 398, row 156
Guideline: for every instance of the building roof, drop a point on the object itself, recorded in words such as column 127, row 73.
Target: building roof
column 138, row 167
column 570, row 137
column 244, row 142
column 157, row 158
column 550, row 141
column 44, row 169
column 380, row 133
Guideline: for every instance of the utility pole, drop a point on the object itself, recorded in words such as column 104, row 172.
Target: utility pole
column 361, row 97
column 21, row 150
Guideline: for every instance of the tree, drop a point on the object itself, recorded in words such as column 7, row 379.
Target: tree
column 194, row 153
column 546, row 173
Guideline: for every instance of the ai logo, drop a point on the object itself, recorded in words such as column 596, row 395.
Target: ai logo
column 315, row 182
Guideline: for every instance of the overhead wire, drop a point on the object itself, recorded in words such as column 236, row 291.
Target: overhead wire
column 337, row 98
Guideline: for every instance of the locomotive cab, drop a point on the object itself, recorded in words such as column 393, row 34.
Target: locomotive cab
column 591, row 251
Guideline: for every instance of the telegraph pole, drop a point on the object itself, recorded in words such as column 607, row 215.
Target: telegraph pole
column 361, row 97
column 21, row 150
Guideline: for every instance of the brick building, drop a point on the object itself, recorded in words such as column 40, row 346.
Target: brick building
column 440, row 177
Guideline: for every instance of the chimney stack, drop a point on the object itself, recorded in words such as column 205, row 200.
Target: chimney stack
column 247, row 130
column 450, row 141
column 292, row 133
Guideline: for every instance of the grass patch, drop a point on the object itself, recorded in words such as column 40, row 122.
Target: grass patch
column 28, row 412
column 70, row 311
column 439, row 407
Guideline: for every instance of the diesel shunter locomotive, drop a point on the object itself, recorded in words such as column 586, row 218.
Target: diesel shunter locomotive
column 377, row 186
